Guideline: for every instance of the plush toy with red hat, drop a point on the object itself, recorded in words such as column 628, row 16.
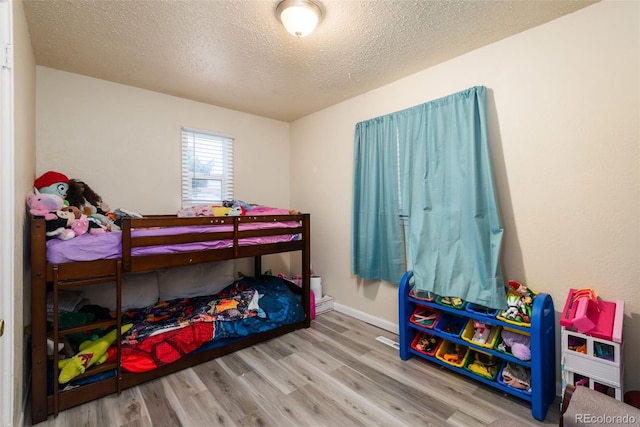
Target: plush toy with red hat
column 52, row 182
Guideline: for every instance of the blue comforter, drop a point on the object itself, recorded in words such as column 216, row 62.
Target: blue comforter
column 278, row 306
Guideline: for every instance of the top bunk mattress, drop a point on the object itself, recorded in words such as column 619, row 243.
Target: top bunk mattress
column 91, row 247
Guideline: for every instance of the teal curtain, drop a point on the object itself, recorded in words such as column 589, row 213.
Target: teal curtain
column 455, row 227
column 438, row 153
column 377, row 240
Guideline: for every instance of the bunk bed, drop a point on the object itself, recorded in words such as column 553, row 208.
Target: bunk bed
column 147, row 244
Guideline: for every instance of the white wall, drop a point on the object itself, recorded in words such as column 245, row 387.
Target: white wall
column 125, row 143
column 24, row 170
column 564, row 110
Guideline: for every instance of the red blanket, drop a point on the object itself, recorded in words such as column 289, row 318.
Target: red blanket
column 167, row 331
column 167, row 347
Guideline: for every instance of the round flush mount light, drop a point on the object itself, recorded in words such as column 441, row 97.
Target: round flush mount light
column 299, row 17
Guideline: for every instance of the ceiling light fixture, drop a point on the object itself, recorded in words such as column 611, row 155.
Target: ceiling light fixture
column 299, row 17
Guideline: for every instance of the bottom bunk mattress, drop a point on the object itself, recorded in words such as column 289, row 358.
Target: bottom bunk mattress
column 167, row 331
column 163, row 333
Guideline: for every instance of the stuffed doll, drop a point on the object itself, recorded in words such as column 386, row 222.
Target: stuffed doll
column 60, row 226
column 84, row 198
column 84, row 224
column 91, row 204
column 52, row 182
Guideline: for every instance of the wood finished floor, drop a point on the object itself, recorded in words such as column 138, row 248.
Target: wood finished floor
column 332, row 374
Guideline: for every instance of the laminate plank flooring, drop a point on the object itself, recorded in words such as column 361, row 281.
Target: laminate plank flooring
column 333, row 374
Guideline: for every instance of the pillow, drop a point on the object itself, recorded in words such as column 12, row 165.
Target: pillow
column 138, row 290
column 195, row 280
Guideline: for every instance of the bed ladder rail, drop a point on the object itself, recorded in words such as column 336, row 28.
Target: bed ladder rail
column 60, row 282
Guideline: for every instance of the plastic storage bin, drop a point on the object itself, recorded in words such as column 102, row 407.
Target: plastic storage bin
column 515, row 390
column 422, row 295
column 426, row 343
column 501, row 349
column 481, row 310
column 451, row 324
column 487, row 340
column 483, row 364
column 449, row 302
column 451, row 353
column 425, row 317
column 501, row 317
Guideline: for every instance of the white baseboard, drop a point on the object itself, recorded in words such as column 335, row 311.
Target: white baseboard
column 375, row 321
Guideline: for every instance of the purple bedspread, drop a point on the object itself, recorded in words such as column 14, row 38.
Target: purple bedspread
column 90, row 247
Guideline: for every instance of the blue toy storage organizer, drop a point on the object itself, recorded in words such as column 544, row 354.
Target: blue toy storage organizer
column 541, row 331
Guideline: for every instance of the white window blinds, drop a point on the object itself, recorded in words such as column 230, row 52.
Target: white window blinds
column 207, row 167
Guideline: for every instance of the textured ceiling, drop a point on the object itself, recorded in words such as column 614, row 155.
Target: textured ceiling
column 236, row 54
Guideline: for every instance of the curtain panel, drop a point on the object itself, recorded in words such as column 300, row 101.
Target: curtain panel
column 377, row 244
column 431, row 162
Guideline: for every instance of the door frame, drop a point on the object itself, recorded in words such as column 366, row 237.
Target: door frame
column 7, row 213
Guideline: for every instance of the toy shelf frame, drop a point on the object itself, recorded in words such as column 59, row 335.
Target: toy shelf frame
column 541, row 331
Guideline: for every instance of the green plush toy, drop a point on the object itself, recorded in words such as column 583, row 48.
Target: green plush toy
column 91, row 353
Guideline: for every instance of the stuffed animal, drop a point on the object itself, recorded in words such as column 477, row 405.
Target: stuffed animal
column 62, row 222
column 44, row 204
column 50, row 206
column 60, row 226
column 52, row 182
column 516, row 344
column 84, row 224
column 517, row 376
column 212, row 210
column 91, row 353
column 91, row 204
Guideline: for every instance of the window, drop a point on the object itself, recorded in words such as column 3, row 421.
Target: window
column 207, row 167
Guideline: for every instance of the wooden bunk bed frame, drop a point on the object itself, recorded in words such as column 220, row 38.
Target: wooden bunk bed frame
column 54, row 277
